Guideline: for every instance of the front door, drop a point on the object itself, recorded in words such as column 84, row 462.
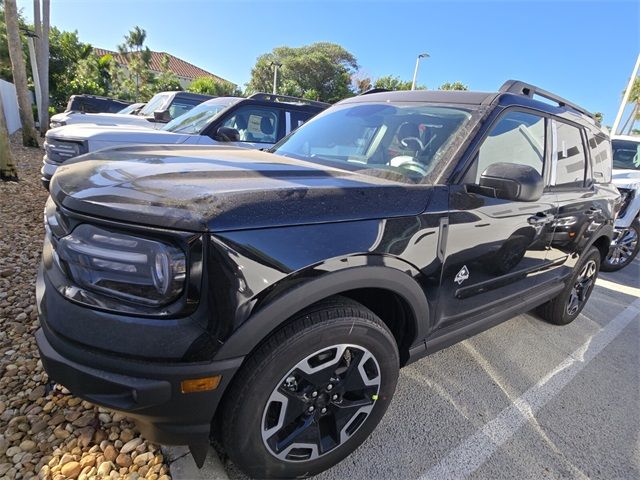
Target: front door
column 497, row 250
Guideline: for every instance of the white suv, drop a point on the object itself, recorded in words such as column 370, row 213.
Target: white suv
column 626, row 177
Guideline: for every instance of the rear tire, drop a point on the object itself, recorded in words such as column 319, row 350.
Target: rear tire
column 625, row 250
column 311, row 393
column 567, row 305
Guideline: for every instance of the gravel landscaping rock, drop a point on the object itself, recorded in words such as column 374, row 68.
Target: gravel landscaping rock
column 46, row 433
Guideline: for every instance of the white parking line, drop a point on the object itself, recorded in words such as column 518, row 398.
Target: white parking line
column 472, row 453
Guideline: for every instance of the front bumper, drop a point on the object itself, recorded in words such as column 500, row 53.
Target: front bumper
column 49, row 167
column 147, row 392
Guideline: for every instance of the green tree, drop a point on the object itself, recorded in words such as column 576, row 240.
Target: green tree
column 92, row 75
column 66, row 52
column 453, row 86
column 389, row 82
column 212, row 86
column 166, row 81
column 599, row 116
column 320, row 70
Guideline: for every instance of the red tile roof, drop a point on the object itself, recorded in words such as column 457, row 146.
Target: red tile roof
column 176, row 65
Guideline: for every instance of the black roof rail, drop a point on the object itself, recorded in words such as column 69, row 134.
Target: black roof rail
column 375, row 90
column 272, row 97
column 522, row 88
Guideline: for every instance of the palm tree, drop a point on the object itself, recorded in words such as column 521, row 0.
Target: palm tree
column 7, row 167
column 141, row 56
column 29, row 135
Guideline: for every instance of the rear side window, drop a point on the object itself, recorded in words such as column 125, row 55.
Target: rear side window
column 600, row 158
column 568, row 156
column 518, row 137
column 298, row 118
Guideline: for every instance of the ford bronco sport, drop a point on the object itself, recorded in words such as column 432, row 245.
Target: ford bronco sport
column 268, row 298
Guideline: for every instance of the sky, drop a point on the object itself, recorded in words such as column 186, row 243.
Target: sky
column 582, row 50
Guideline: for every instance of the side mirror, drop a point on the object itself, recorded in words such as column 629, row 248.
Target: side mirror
column 227, row 134
column 162, row 116
column 512, row 181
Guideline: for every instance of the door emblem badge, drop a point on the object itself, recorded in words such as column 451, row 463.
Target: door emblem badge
column 462, row 275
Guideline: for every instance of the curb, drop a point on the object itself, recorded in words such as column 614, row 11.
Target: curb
column 183, row 467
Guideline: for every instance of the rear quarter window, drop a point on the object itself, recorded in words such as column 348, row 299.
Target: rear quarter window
column 601, row 158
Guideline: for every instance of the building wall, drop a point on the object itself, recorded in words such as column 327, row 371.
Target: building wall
column 10, row 103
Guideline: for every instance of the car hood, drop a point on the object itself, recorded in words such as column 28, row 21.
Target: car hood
column 224, row 188
column 626, row 178
column 71, row 118
column 129, row 134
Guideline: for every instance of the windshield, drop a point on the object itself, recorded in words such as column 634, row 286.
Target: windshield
column 373, row 138
column 196, row 119
column 156, row 103
column 128, row 109
column 626, row 154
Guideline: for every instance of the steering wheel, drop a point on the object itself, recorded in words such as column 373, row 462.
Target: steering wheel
column 414, row 167
column 415, row 139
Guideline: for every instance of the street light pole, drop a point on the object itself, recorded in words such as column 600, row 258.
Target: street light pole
column 34, row 69
column 625, row 98
column 415, row 72
column 275, row 76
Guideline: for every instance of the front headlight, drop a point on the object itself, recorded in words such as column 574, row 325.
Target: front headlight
column 59, row 150
column 130, row 268
column 57, row 123
column 626, row 197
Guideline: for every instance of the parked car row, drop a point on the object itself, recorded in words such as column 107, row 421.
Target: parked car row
column 258, row 121
column 161, row 109
column 267, row 297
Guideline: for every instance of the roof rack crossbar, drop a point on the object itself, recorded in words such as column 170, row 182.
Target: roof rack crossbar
column 522, row 88
column 286, row 98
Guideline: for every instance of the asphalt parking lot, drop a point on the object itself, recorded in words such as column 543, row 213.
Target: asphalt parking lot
column 523, row 400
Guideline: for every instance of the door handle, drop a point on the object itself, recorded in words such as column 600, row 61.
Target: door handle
column 540, row 219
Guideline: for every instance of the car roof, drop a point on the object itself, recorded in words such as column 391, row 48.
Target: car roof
column 222, row 100
column 511, row 93
column 628, row 138
column 186, row 94
column 426, row 96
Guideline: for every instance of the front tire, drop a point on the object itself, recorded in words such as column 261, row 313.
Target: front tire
column 566, row 307
column 625, row 249
column 311, row 393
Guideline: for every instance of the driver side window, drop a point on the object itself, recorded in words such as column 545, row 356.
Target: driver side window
column 255, row 124
column 518, row 137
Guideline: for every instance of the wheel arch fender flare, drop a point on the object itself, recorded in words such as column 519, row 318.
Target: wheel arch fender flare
column 269, row 317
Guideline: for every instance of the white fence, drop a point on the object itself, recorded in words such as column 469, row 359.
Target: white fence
column 10, row 102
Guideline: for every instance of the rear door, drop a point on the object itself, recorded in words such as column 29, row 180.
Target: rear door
column 581, row 212
column 295, row 118
column 496, row 249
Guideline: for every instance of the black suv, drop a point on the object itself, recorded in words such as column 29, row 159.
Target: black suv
column 270, row 297
column 95, row 104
